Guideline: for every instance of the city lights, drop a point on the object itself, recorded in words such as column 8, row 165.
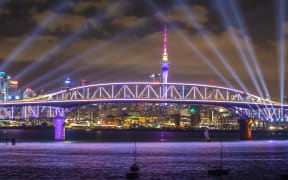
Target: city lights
column 14, row 83
column 68, row 81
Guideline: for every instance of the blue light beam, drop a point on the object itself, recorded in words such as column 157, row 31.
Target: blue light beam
column 64, row 43
column 86, row 54
column 241, row 23
column 85, row 68
column 235, row 39
column 31, row 37
column 211, row 44
column 281, row 9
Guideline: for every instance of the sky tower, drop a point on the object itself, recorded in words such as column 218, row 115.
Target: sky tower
column 165, row 63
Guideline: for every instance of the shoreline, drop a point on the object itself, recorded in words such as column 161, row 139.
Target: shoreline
column 130, row 135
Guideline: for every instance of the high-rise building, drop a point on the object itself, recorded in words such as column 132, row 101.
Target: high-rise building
column 156, row 78
column 67, row 83
column 8, row 88
column 13, row 91
column 2, row 79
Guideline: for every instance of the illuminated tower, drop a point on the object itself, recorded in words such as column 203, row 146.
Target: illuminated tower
column 165, row 64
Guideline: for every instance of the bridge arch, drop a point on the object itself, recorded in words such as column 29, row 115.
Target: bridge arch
column 129, row 92
column 148, row 90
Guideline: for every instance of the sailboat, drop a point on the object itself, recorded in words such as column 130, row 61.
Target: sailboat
column 219, row 171
column 133, row 174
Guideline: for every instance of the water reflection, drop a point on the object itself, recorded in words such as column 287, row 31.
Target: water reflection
column 70, row 160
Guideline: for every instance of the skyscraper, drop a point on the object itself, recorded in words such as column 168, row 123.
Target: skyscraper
column 8, row 88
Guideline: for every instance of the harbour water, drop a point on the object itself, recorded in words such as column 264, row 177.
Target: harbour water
column 166, row 160
column 257, row 159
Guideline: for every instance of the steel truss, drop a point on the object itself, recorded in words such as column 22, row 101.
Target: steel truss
column 50, row 105
column 155, row 91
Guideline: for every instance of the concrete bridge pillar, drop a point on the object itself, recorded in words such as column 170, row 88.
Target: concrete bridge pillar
column 245, row 129
column 59, row 128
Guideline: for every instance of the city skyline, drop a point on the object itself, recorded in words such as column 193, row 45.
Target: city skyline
column 90, row 45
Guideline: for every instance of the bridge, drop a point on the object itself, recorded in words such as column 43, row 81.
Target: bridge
column 55, row 105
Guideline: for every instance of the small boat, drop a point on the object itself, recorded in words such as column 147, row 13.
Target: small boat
column 133, row 174
column 134, row 167
column 219, row 171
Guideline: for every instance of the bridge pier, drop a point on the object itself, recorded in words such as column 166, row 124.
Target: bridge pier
column 245, row 129
column 59, row 128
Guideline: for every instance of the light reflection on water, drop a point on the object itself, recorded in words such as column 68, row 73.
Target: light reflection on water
column 70, row 160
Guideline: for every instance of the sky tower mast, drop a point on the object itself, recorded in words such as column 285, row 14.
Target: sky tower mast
column 165, row 63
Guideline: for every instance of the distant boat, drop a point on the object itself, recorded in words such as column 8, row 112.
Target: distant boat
column 219, row 171
column 133, row 174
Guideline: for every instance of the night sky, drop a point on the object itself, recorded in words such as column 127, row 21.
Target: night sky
column 121, row 40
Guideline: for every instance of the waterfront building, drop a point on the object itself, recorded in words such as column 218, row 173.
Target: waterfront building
column 8, row 88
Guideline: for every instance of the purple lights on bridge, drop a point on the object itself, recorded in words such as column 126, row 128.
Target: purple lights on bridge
column 131, row 92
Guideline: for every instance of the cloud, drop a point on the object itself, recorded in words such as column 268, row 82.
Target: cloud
column 5, row 12
column 128, row 21
column 42, row 44
column 117, row 9
column 199, row 14
column 63, row 23
column 186, row 16
column 82, row 6
column 77, row 20
column 67, row 23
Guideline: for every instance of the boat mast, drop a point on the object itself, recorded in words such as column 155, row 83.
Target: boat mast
column 221, row 155
column 135, row 151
